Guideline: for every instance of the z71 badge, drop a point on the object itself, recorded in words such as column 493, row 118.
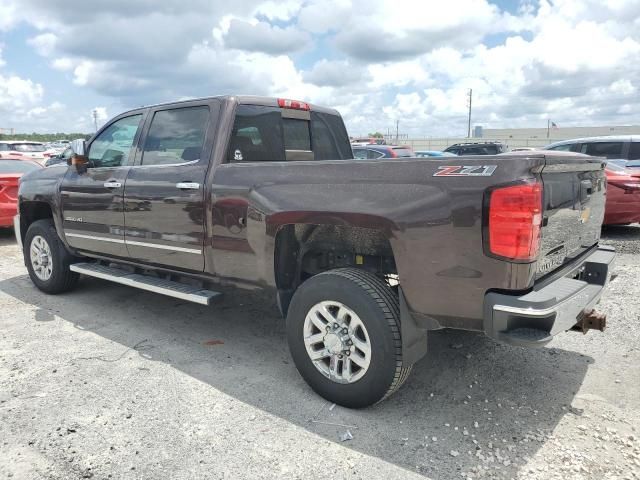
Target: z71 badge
column 466, row 171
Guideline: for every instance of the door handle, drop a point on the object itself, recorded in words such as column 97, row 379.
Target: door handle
column 112, row 184
column 188, row 186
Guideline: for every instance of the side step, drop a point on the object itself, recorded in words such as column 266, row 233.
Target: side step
column 144, row 282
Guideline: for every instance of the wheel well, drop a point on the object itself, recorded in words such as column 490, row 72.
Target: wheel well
column 304, row 250
column 31, row 212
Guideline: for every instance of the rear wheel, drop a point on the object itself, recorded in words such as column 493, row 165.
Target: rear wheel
column 47, row 259
column 343, row 328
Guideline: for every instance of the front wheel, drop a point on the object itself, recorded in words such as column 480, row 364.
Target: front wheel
column 47, row 259
column 343, row 328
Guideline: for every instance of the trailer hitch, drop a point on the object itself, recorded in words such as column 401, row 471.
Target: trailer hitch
column 590, row 320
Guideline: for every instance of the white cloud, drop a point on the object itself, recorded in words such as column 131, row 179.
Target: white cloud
column 44, row 43
column 263, row 37
column 278, row 10
column 335, row 73
column 376, row 60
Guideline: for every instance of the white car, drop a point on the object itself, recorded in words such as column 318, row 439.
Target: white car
column 23, row 150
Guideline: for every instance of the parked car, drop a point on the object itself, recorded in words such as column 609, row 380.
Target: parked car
column 433, row 153
column 10, row 173
column 21, row 150
column 633, row 164
column 381, row 151
column 619, row 148
column 364, row 258
column 623, row 196
column 477, row 148
column 361, row 141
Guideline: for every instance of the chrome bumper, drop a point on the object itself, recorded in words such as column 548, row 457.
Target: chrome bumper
column 534, row 318
column 16, row 229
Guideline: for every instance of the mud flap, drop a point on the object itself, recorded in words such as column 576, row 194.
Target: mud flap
column 414, row 338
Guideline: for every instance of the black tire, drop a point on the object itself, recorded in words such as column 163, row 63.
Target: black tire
column 62, row 279
column 377, row 306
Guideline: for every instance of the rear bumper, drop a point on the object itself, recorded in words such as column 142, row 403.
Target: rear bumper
column 534, row 318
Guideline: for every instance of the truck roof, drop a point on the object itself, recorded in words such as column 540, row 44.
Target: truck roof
column 243, row 100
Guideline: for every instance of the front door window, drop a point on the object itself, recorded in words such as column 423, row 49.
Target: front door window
column 112, row 147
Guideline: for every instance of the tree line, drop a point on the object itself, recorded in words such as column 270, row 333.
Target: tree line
column 44, row 137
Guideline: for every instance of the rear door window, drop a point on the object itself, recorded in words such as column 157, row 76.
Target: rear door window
column 634, row 151
column 176, row 136
column 603, row 149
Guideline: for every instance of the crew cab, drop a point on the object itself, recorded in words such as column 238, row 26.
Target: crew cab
column 365, row 257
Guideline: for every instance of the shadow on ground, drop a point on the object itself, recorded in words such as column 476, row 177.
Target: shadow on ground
column 620, row 236
column 7, row 237
column 465, row 378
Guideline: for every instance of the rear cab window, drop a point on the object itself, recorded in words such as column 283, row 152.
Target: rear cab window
column 268, row 133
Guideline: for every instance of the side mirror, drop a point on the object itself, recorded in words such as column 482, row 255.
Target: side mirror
column 78, row 158
column 77, row 147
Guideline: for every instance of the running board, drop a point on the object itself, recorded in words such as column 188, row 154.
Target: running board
column 149, row 283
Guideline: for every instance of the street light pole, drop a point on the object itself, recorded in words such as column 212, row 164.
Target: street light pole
column 470, row 95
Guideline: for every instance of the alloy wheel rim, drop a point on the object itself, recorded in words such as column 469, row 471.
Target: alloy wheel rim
column 337, row 342
column 40, row 253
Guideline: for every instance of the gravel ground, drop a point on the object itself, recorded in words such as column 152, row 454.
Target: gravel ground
column 111, row 382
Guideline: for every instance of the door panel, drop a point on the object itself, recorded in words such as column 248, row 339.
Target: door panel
column 92, row 198
column 93, row 218
column 164, row 193
column 165, row 223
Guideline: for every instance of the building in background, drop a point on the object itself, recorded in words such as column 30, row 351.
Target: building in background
column 515, row 137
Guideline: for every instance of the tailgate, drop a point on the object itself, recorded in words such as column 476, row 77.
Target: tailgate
column 574, row 200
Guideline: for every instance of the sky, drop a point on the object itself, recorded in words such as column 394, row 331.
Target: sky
column 376, row 61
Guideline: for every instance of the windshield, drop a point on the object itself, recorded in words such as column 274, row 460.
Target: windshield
column 17, row 166
column 28, row 147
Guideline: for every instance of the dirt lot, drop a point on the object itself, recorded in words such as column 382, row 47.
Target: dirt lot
column 111, row 382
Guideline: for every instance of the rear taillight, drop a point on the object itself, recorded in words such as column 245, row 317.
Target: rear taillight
column 294, row 104
column 392, row 153
column 515, row 220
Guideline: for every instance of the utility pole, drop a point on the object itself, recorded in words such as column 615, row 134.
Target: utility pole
column 470, row 95
column 94, row 112
column 397, row 129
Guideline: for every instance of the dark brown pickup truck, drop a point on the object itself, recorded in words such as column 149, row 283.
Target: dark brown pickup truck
column 365, row 256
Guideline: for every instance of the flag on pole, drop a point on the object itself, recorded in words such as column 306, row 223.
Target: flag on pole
column 553, row 125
